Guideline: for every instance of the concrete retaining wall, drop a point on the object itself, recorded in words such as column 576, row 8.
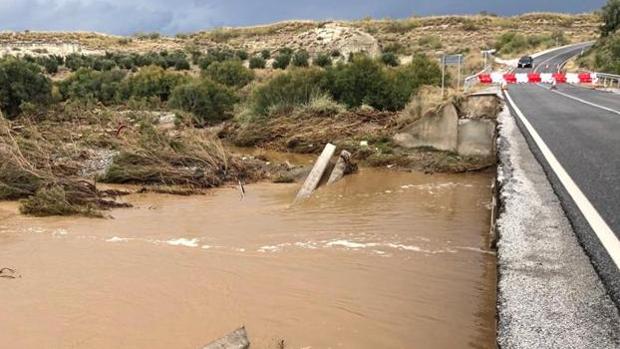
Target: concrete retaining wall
column 471, row 134
column 437, row 131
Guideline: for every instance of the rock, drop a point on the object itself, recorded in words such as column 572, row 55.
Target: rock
column 436, row 131
column 238, row 339
column 333, row 36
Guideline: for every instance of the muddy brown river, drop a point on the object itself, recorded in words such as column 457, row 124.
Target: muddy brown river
column 382, row 259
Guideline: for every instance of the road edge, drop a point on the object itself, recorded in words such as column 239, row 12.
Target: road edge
column 549, row 295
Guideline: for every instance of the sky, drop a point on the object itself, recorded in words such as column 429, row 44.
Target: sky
column 126, row 17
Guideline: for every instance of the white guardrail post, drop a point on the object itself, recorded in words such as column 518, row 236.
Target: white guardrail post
column 608, row 80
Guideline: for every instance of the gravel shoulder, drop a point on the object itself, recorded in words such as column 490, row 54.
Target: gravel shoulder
column 549, row 295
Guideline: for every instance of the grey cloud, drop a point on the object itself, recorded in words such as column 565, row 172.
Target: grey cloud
column 130, row 16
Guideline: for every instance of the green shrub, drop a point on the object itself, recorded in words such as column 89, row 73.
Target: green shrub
column 300, row 58
column 230, row 73
column 611, row 17
column 90, row 84
column 208, row 101
column 76, row 61
column 266, row 54
column 360, row 82
column 103, row 64
column 323, row 60
column 50, row 64
column 365, row 81
column 431, row 41
column 151, row 81
column 217, row 55
column 394, row 47
column 389, row 58
column 288, row 90
column 281, row 61
column 257, row 62
column 21, row 82
column 607, row 54
column 242, row 55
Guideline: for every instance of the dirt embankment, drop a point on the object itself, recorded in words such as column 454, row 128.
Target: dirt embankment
column 370, row 135
column 55, row 165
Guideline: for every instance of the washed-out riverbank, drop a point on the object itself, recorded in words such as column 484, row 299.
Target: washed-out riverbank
column 382, row 259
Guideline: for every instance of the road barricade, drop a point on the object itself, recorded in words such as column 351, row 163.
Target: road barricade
column 546, row 78
column 559, row 78
column 485, row 78
column 572, row 78
column 510, row 78
column 585, row 78
column 533, row 78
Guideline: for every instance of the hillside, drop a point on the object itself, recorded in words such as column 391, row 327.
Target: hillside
column 430, row 35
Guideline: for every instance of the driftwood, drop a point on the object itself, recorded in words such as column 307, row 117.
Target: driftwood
column 238, row 339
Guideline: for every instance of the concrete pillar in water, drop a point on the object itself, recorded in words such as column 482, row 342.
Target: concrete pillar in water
column 340, row 168
column 317, row 172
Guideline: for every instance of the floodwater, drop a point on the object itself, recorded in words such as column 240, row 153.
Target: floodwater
column 382, row 259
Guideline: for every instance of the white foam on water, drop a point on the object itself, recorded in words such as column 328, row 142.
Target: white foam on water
column 348, row 244
column 272, row 248
column 59, row 232
column 182, row 242
column 118, row 239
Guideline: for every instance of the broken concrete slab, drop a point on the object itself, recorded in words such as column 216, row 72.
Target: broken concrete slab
column 480, row 106
column 437, row 131
column 238, row 339
column 476, row 137
column 313, row 179
column 340, row 168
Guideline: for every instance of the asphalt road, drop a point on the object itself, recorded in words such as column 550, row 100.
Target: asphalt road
column 585, row 139
column 553, row 61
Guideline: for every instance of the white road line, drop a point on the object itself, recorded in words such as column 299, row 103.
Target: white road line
column 605, row 235
column 582, row 101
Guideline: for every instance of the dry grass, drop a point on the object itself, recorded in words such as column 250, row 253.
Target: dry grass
column 28, row 170
column 427, row 101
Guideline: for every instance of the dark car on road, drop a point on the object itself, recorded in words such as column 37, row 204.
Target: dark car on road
column 525, row 62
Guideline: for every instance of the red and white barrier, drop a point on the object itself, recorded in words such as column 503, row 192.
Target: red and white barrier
column 535, row 78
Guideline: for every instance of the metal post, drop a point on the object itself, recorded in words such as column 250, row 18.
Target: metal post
column 443, row 75
column 458, row 79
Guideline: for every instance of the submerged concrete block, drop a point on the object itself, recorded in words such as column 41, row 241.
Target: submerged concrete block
column 476, row 137
column 437, row 131
column 340, row 168
column 313, row 179
column 238, row 339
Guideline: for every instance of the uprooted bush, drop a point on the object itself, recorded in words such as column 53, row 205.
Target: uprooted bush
column 192, row 158
column 26, row 172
